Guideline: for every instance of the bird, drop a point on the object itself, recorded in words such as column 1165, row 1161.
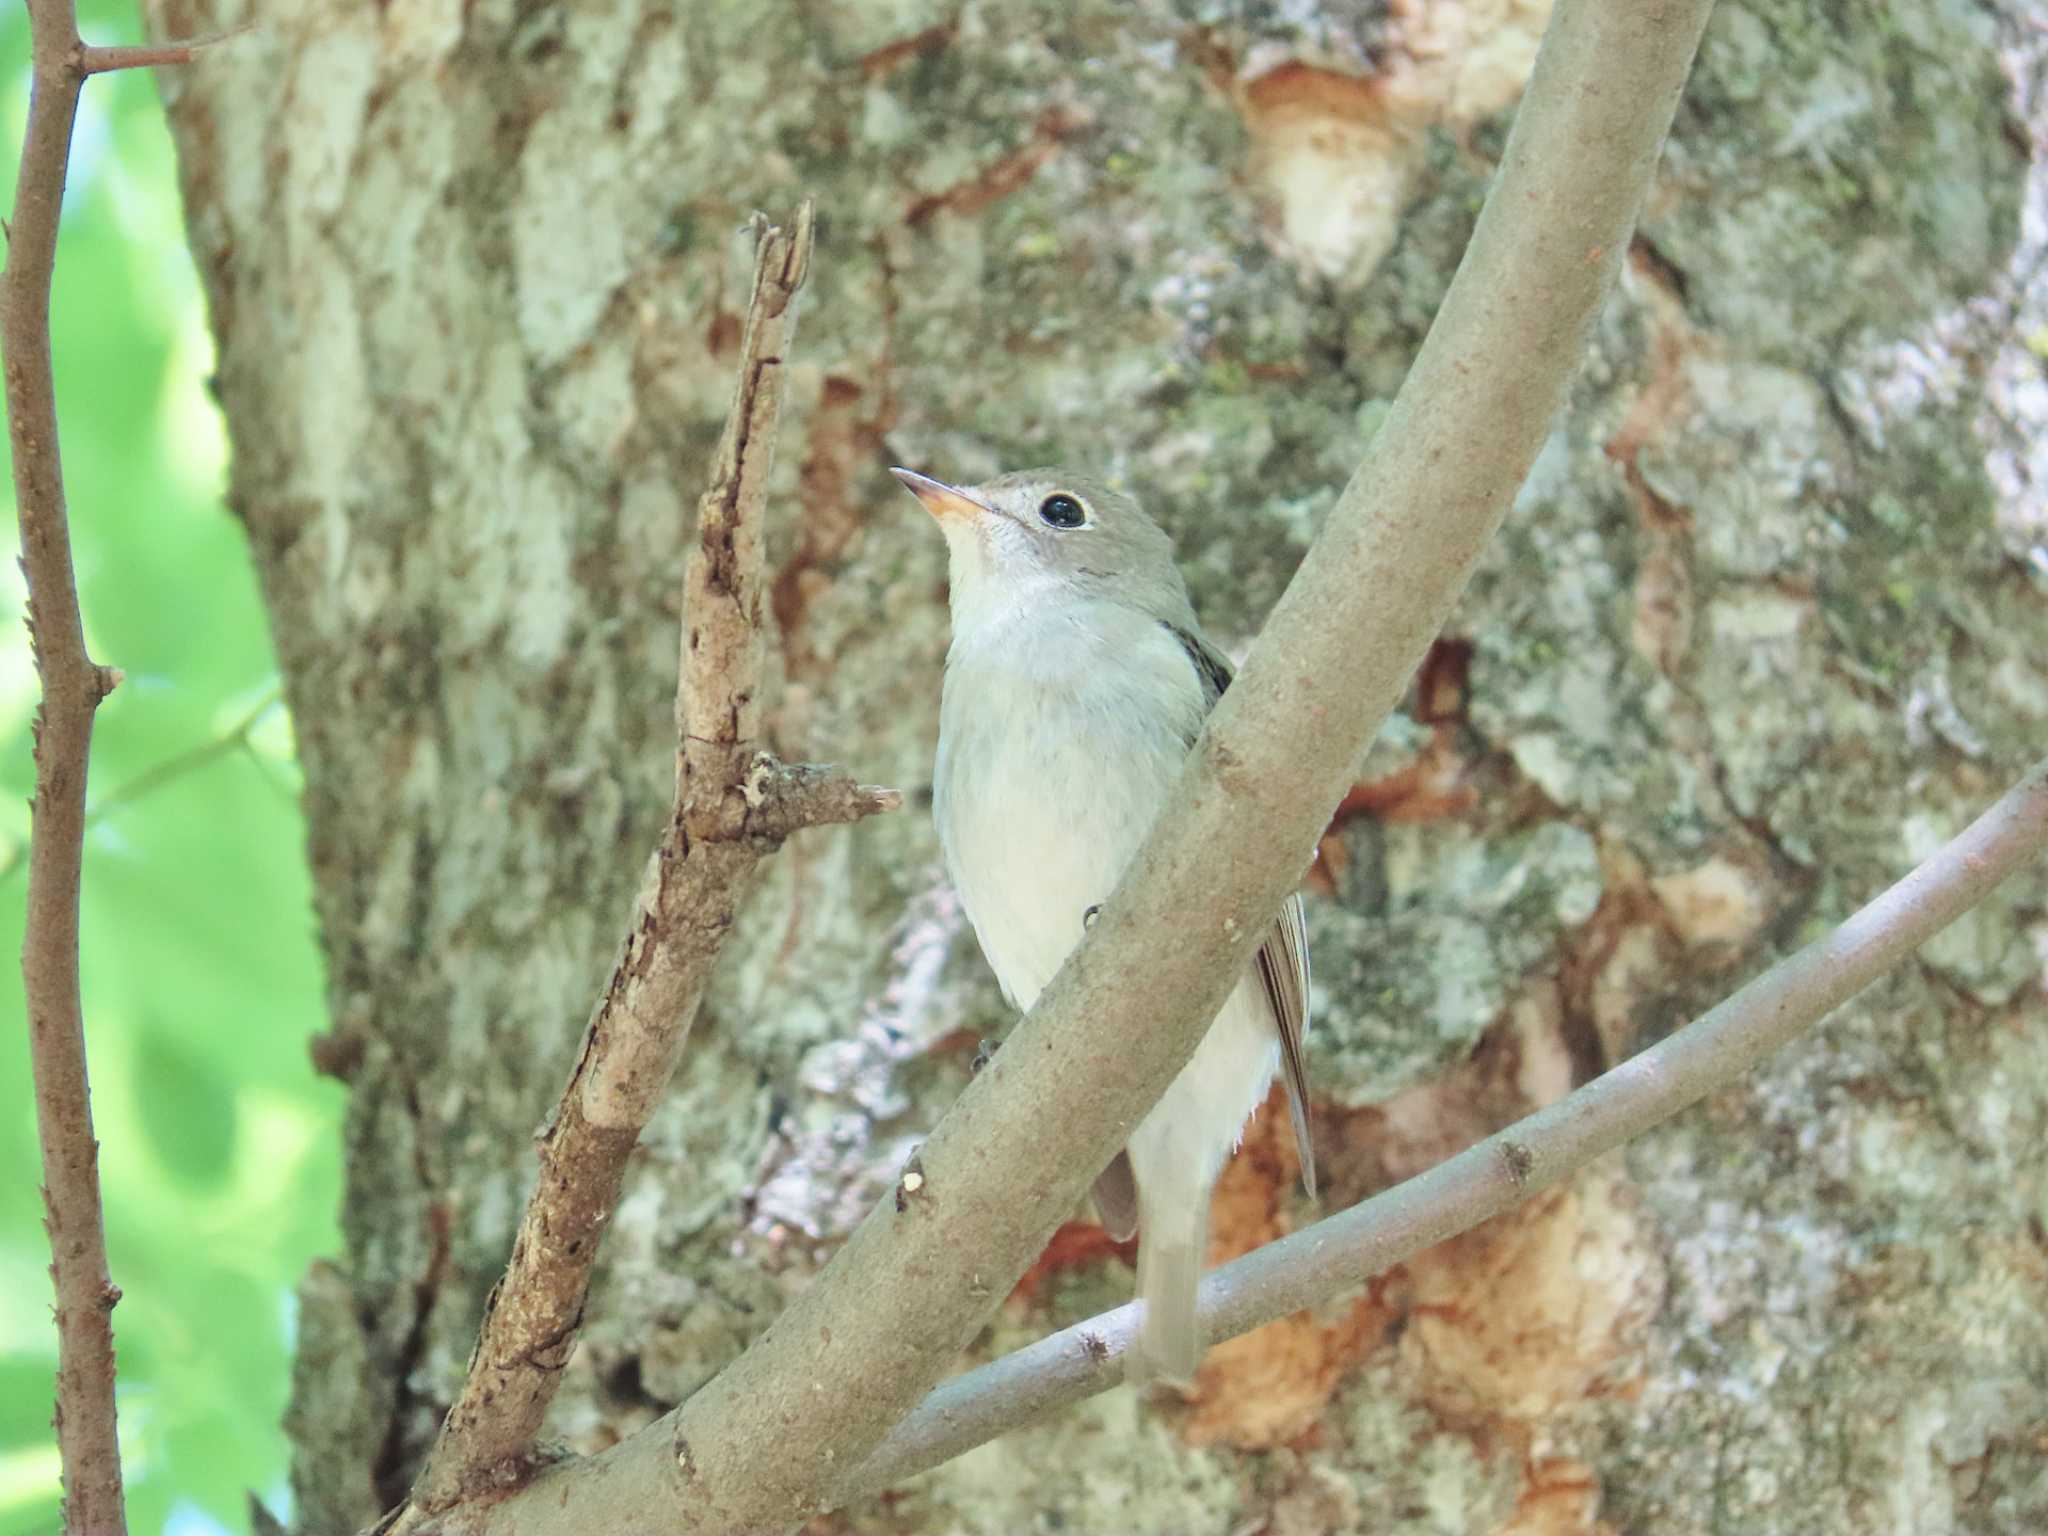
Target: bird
column 1076, row 682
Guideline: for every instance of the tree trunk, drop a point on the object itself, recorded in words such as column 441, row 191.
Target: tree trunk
column 1768, row 623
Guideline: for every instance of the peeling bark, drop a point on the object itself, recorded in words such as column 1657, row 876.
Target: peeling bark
column 1766, row 626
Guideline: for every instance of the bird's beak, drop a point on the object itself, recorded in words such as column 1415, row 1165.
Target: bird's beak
column 940, row 499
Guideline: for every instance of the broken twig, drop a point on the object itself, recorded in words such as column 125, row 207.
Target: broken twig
column 734, row 804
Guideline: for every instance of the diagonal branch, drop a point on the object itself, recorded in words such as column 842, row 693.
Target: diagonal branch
column 734, row 805
column 149, row 780
column 1502, row 1171
column 73, row 685
column 767, row 1443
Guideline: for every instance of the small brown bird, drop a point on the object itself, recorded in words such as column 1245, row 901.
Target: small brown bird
column 1076, row 683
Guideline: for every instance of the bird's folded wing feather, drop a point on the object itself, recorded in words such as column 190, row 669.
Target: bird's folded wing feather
column 1282, row 960
column 1283, row 970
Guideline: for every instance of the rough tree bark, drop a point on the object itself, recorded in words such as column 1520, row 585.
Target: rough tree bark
column 1766, row 626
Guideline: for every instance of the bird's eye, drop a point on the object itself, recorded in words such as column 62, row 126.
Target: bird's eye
column 1060, row 510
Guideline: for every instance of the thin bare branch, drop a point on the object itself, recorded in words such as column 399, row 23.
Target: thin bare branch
column 73, row 685
column 100, row 61
column 718, row 697
column 767, row 1443
column 159, row 774
column 734, row 805
column 104, row 61
column 1504, row 1170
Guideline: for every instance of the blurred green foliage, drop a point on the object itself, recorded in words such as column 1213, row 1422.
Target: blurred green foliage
column 219, row 1151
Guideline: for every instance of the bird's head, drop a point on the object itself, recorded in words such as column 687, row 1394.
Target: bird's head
column 1040, row 537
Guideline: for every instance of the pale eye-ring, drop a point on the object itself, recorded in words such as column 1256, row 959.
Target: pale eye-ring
column 1060, row 510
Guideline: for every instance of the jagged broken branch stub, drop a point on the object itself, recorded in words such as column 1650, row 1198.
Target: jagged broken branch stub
column 734, row 804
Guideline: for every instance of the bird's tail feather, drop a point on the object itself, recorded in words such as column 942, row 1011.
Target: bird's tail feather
column 1172, row 1237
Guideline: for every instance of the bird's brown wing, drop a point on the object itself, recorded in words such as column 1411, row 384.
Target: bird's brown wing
column 1283, row 971
column 1283, row 959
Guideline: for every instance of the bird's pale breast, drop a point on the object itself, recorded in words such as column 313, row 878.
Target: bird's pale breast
column 1052, row 764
